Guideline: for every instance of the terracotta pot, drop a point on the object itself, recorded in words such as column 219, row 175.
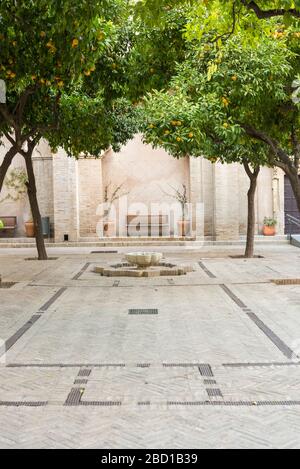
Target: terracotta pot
column 109, row 229
column 29, row 228
column 269, row 230
column 183, row 227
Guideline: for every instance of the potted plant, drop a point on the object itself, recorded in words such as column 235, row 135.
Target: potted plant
column 1, row 225
column 110, row 196
column 29, row 228
column 183, row 223
column 269, row 228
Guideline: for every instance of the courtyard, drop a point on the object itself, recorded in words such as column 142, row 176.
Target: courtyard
column 205, row 360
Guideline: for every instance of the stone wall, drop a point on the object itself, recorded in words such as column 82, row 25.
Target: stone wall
column 70, row 191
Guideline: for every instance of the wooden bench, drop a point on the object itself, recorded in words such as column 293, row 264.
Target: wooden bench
column 10, row 224
column 144, row 225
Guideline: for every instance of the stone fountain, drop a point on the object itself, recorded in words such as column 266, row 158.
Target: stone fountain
column 143, row 264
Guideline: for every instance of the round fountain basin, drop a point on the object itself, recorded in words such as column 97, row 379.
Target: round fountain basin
column 144, row 259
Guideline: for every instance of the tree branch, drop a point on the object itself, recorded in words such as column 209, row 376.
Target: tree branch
column 270, row 13
column 272, row 143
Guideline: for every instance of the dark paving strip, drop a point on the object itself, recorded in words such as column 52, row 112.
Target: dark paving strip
column 206, row 270
column 23, row 403
column 143, row 311
column 104, row 252
column 101, row 403
column 53, row 298
column 284, row 349
column 143, row 365
column 287, row 352
column 209, row 382
column 183, row 365
column 214, row 392
column 205, row 370
column 74, row 397
column 233, row 296
column 234, row 403
column 272, row 364
column 81, row 272
column 14, row 338
column 64, row 365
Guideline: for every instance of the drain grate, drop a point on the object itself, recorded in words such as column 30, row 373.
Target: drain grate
column 273, row 337
column 81, row 272
column 206, row 270
column 143, row 311
column 53, row 299
column 17, row 335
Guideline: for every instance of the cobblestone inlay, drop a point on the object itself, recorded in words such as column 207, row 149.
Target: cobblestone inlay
column 284, row 349
column 205, row 370
column 80, row 381
column 23, row 403
column 214, row 392
column 64, row 365
column 7, row 284
column 262, row 364
column 53, row 298
column 143, row 311
column 183, row 365
column 74, row 397
column 104, row 252
column 101, row 403
column 234, row 403
column 16, row 336
column 209, row 381
column 81, row 272
column 206, row 270
column 84, row 372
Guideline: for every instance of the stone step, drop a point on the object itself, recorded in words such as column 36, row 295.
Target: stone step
column 120, row 242
column 295, row 240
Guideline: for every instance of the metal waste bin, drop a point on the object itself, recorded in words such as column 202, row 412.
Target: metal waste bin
column 46, row 226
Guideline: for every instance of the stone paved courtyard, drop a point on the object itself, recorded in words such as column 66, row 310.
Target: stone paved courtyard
column 216, row 366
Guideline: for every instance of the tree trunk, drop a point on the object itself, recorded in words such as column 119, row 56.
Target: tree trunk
column 36, row 215
column 6, row 164
column 249, row 252
column 295, row 183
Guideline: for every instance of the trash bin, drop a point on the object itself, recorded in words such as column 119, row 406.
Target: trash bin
column 46, row 226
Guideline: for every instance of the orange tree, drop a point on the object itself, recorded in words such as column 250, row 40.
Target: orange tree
column 217, row 101
column 49, row 55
